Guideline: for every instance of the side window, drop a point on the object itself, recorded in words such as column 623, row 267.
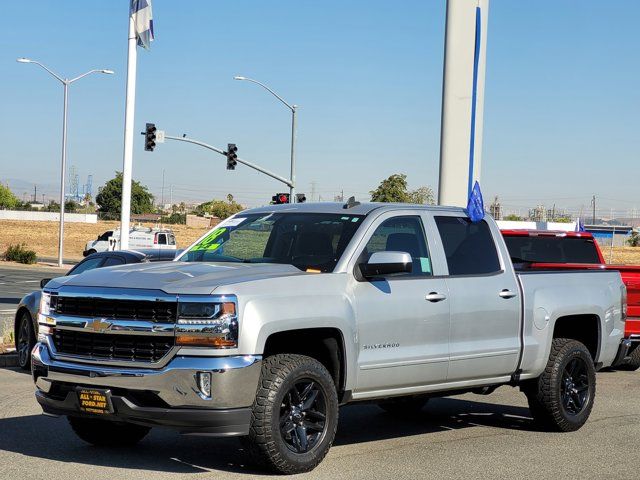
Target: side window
column 162, row 239
column 402, row 234
column 172, row 239
column 85, row 265
column 111, row 261
column 105, row 236
column 469, row 247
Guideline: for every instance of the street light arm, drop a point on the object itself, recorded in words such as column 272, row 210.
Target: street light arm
column 87, row 73
column 48, row 70
column 290, row 107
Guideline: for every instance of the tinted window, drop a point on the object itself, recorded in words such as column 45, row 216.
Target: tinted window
column 111, row 261
column 105, row 236
column 306, row 240
column 552, row 249
column 162, row 239
column 401, row 234
column 88, row 264
column 469, row 247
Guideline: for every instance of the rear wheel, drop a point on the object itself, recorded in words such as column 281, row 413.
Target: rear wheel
column 632, row 363
column 103, row 433
column 403, row 405
column 25, row 340
column 561, row 399
column 295, row 414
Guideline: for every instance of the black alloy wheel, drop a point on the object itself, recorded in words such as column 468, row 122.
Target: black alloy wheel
column 303, row 416
column 574, row 386
column 25, row 340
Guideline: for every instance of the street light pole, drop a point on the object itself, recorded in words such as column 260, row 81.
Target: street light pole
column 65, row 82
column 293, row 108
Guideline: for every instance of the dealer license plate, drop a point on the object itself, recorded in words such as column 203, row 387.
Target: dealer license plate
column 95, row 401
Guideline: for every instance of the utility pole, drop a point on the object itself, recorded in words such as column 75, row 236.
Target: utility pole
column 593, row 204
column 162, row 194
column 35, row 194
column 313, row 191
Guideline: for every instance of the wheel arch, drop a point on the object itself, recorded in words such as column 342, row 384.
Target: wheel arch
column 585, row 328
column 325, row 344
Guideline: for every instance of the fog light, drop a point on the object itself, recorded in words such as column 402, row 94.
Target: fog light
column 204, row 384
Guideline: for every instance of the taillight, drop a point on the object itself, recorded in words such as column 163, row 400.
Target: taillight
column 155, row 239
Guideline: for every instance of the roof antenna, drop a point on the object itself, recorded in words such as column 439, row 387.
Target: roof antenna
column 351, row 203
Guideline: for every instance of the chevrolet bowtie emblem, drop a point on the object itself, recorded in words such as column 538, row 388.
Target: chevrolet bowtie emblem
column 99, row 325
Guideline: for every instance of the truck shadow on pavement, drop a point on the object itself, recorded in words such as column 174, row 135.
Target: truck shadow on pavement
column 166, row 451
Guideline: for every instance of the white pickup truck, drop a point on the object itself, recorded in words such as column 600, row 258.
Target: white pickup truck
column 278, row 315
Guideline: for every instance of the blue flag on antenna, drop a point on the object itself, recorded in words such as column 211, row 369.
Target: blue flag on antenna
column 475, row 205
column 580, row 225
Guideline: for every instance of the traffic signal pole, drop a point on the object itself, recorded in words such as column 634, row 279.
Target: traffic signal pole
column 249, row 164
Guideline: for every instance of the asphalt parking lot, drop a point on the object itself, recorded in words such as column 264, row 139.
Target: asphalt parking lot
column 15, row 282
column 469, row 436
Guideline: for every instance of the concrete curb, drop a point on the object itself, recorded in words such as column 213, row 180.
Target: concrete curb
column 8, row 360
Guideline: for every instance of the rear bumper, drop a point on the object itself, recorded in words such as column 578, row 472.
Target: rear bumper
column 623, row 352
column 166, row 397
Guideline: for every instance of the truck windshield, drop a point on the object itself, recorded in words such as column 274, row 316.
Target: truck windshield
column 552, row 249
column 309, row 241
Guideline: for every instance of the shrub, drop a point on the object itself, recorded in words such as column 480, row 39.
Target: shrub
column 18, row 253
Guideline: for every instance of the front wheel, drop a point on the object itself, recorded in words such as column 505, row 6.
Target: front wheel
column 295, row 414
column 25, row 340
column 561, row 399
column 103, row 433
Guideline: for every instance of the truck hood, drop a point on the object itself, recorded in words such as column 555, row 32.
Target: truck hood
column 175, row 277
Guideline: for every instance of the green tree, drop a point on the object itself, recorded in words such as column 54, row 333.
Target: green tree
column 513, row 217
column 395, row 189
column 634, row 240
column 7, row 198
column 219, row 208
column 109, row 199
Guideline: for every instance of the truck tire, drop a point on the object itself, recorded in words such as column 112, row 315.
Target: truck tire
column 403, row 405
column 562, row 397
column 632, row 363
column 103, row 433
column 25, row 339
column 294, row 415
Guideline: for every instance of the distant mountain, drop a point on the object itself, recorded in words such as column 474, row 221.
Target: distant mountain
column 19, row 187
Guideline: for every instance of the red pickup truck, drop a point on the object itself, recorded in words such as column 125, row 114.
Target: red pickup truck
column 556, row 250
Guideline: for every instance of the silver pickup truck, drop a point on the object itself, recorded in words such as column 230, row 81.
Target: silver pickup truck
column 279, row 315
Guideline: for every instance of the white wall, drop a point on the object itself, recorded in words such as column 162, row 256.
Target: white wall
column 48, row 216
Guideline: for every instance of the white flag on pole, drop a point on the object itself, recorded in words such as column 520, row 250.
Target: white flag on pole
column 143, row 20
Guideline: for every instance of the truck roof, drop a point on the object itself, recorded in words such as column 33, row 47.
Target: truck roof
column 363, row 208
column 542, row 233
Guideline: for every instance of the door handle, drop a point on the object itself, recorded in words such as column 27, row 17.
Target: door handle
column 435, row 297
column 506, row 293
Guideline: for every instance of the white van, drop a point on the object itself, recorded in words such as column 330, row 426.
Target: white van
column 139, row 237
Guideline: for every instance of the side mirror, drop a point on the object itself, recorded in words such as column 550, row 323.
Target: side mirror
column 385, row 264
column 44, row 281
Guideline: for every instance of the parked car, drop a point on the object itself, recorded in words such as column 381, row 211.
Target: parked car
column 139, row 238
column 26, row 319
column 280, row 314
column 550, row 250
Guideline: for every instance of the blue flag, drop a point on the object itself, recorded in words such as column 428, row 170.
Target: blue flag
column 580, row 225
column 475, row 205
column 140, row 11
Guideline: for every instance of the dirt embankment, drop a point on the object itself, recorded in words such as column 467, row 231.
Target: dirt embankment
column 42, row 237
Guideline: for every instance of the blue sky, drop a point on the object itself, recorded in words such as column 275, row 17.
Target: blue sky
column 562, row 98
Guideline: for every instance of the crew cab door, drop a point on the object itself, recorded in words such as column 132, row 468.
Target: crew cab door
column 484, row 299
column 402, row 321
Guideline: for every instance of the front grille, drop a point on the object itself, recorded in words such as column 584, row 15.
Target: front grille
column 116, row 309
column 112, row 347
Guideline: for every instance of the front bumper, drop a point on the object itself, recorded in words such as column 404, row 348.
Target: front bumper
column 166, row 397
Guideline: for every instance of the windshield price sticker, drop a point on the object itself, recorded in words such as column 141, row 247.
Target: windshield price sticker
column 211, row 241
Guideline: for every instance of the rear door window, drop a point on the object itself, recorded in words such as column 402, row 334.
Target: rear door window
column 111, row 261
column 88, row 264
column 469, row 247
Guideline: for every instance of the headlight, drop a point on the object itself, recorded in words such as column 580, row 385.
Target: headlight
column 202, row 324
column 45, row 304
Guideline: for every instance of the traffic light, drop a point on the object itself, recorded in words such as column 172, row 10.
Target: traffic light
column 150, row 137
column 232, row 156
column 280, row 198
column 301, row 198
